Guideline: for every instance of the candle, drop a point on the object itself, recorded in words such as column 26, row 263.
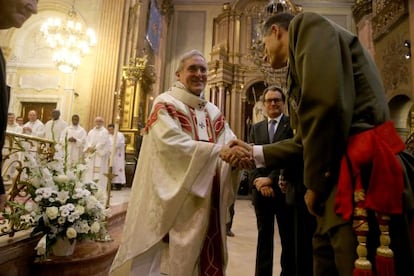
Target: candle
column 111, row 158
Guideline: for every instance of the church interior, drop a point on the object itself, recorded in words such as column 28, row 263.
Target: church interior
column 133, row 49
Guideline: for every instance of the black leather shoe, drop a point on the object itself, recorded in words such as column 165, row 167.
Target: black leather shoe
column 230, row 233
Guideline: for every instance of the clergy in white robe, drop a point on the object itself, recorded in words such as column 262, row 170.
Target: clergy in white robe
column 55, row 126
column 34, row 126
column 97, row 149
column 73, row 139
column 117, row 156
column 10, row 163
column 181, row 190
column 12, row 126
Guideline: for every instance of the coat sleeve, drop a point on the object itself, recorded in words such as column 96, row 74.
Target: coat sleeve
column 324, row 109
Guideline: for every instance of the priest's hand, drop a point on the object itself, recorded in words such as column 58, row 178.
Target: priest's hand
column 238, row 154
column 27, row 130
column 90, row 150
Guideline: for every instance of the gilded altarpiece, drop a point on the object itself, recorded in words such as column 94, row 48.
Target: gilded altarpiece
column 390, row 33
column 137, row 80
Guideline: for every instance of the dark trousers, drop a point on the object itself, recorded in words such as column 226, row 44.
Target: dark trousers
column 296, row 227
column 267, row 209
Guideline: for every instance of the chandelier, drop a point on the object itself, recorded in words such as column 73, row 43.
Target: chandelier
column 68, row 39
column 271, row 76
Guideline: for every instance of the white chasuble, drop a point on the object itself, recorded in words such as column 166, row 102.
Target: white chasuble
column 77, row 135
column 171, row 190
column 118, row 166
column 97, row 160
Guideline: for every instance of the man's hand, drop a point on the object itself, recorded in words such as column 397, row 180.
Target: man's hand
column 264, row 186
column 27, row 130
column 2, row 202
column 283, row 185
column 238, row 154
column 262, row 181
column 312, row 203
column 267, row 191
column 90, row 150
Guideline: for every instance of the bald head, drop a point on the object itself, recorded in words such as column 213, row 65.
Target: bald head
column 32, row 115
column 99, row 122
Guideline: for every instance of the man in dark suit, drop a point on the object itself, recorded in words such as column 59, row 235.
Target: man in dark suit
column 269, row 199
column 12, row 14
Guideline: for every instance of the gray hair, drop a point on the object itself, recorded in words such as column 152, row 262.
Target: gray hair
column 274, row 88
column 186, row 56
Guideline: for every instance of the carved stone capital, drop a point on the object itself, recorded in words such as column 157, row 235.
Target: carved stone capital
column 166, row 7
column 361, row 8
column 386, row 15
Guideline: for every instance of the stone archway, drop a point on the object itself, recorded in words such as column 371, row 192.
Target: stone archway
column 402, row 113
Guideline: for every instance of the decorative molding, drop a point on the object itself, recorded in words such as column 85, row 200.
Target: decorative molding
column 166, row 7
column 395, row 68
column 361, row 8
column 39, row 82
column 6, row 52
column 386, row 14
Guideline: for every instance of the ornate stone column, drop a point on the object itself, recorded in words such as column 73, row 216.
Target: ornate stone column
column 411, row 20
column 362, row 13
column 105, row 76
column 221, row 97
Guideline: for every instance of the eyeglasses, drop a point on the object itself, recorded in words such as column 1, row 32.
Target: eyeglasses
column 276, row 100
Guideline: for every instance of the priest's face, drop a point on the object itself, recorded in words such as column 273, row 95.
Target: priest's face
column 75, row 120
column 194, row 74
column 13, row 13
column 99, row 122
column 10, row 119
column 32, row 115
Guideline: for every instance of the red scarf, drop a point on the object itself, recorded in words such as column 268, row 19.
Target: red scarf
column 375, row 148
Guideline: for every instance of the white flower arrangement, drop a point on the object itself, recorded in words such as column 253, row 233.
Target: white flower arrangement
column 60, row 204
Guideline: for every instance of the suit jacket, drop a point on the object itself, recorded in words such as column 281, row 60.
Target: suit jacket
column 334, row 90
column 259, row 135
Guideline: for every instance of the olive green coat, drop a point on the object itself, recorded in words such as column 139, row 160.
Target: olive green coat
column 334, row 90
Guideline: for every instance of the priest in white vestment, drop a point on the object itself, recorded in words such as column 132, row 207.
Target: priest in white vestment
column 97, row 149
column 181, row 190
column 12, row 126
column 10, row 164
column 118, row 157
column 73, row 139
column 34, row 126
column 55, row 126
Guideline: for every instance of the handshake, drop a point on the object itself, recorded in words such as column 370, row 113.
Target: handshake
column 238, row 154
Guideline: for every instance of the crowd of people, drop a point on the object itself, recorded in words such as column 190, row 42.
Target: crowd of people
column 95, row 148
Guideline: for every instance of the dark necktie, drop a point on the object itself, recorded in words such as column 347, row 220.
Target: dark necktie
column 272, row 126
